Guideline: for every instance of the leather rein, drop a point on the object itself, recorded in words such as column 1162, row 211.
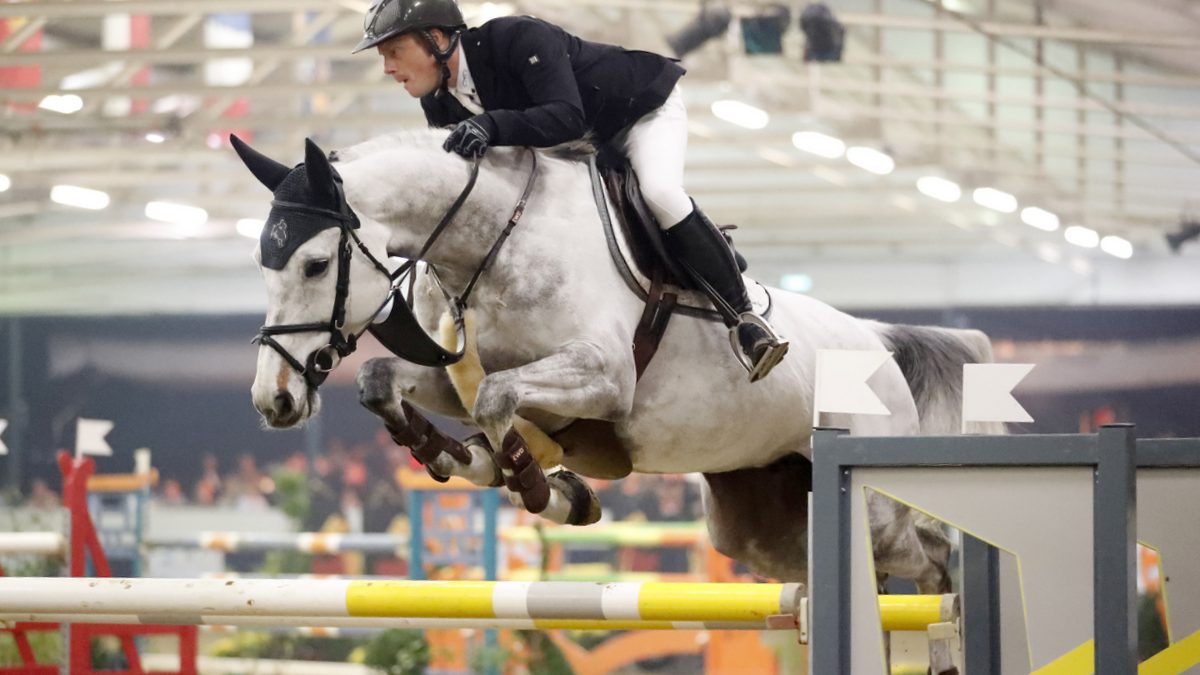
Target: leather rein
column 401, row 333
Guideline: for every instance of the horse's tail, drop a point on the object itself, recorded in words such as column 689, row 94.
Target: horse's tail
column 932, row 361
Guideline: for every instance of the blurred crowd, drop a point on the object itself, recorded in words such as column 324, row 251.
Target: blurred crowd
column 358, row 485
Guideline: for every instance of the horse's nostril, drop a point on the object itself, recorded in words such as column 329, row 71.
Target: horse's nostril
column 284, row 404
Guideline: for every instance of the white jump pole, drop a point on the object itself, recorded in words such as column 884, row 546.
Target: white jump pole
column 306, row 542
column 32, row 543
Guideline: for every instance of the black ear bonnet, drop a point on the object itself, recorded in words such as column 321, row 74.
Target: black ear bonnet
column 297, row 215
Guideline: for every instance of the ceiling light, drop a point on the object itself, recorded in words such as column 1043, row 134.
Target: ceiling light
column 741, row 114
column 872, row 160
column 939, row 188
column 1082, row 236
column 711, row 22
column 5, row 183
column 92, row 77
column 65, row 104
column 176, row 214
column 1117, row 246
column 1188, row 231
column 1039, row 218
column 960, row 6
column 250, row 227
column 80, row 198
column 796, row 283
column 155, row 137
column 996, row 200
column 819, row 144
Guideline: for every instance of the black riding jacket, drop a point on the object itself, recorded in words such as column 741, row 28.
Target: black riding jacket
column 541, row 86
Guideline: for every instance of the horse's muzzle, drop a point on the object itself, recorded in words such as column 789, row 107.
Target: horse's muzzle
column 284, row 411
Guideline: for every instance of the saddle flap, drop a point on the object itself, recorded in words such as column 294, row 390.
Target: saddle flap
column 636, row 241
column 641, row 230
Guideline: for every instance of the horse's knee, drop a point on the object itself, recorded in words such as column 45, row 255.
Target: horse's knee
column 375, row 383
column 496, row 401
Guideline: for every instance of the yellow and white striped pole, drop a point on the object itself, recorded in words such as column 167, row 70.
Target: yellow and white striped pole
column 351, row 603
column 462, row 604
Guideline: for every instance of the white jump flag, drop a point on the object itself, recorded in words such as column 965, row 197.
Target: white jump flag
column 89, row 437
column 987, row 392
column 841, row 385
column 3, row 447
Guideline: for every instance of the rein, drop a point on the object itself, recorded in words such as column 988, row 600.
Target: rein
column 401, row 333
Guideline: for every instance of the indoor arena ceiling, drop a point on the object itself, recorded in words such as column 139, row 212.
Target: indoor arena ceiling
column 1088, row 110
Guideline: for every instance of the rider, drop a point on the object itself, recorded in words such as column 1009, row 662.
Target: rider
column 524, row 82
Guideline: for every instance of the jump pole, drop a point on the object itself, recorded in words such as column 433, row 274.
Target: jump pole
column 33, row 543
column 433, row 604
column 697, row 605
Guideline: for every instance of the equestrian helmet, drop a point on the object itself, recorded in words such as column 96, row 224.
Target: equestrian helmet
column 388, row 18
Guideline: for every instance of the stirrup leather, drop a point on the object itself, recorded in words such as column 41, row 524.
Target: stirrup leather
column 770, row 358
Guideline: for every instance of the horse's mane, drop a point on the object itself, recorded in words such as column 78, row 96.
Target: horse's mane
column 429, row 139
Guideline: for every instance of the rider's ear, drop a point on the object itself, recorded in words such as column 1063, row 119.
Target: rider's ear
column 268, row 172
column 318, row 169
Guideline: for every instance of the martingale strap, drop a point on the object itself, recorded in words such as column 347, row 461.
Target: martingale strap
column 402, row 334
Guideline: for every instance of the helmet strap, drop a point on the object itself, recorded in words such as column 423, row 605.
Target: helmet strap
column 442, row 56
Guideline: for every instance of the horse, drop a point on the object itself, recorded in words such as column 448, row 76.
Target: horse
column 552, row 326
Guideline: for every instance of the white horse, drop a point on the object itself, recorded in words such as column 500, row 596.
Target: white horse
column 555, row 322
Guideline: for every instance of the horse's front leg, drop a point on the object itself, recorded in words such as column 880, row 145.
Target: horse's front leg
column 580, row 381
column 387, row 385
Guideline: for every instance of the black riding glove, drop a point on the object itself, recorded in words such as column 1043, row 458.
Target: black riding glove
column 470, row 138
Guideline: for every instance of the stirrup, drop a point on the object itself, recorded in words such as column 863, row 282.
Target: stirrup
column 770, row 358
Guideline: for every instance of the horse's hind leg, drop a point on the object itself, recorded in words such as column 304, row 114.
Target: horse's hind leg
column 909, row 544
column 383, row 387
column 578, row 382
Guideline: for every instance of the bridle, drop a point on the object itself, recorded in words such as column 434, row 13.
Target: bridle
column 408, row 339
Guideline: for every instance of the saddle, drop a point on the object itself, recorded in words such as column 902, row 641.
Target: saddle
column 635, row 242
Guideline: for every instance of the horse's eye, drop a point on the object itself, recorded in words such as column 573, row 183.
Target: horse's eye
column 315, row 268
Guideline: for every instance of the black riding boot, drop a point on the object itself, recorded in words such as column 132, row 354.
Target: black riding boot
column 704, row 253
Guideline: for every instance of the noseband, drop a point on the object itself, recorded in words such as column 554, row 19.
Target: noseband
column 401, row 333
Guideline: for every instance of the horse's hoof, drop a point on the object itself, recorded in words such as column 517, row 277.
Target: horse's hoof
column 585, row 506
column 522, row 473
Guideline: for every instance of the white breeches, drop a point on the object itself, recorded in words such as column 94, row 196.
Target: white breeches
column 656, row 145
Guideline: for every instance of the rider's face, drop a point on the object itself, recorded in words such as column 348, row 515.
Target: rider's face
column 407, row 60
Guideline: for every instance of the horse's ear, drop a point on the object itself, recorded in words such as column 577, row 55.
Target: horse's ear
column 268, row 172
column 318, row 169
